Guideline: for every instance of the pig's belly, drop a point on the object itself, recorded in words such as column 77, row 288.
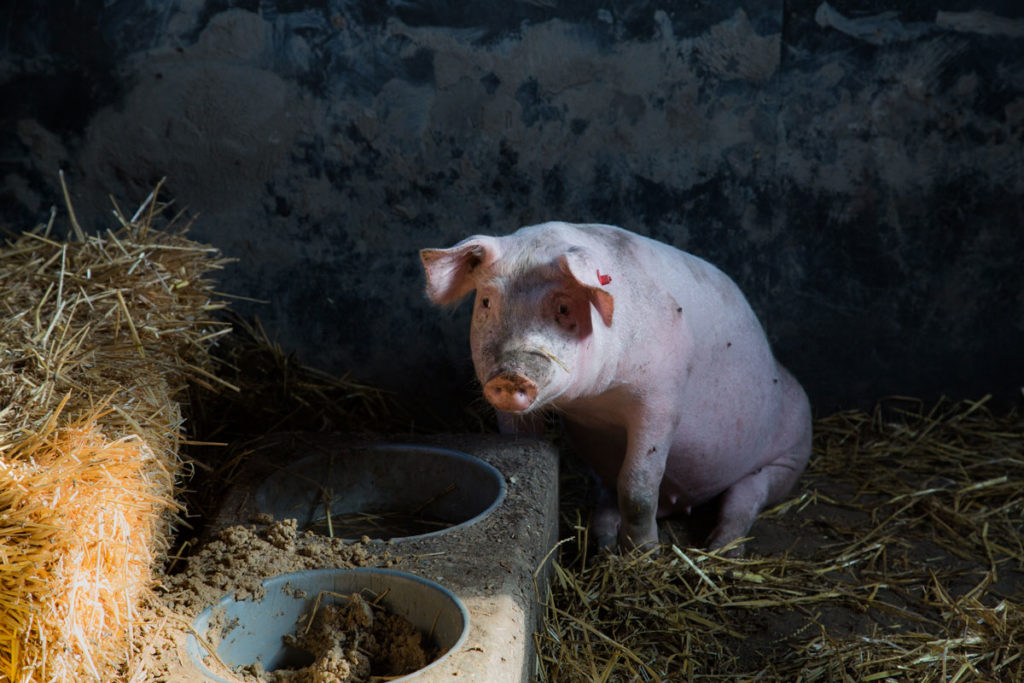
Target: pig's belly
column 707, row 456
column 696, row 473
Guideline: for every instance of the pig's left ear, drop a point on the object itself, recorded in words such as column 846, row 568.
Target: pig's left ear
column 578, row 266
column 450, row 271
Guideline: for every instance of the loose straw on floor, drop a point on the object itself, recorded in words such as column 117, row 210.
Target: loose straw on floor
column 923, row 582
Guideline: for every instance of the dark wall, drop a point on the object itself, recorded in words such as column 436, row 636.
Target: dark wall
column 858, row 168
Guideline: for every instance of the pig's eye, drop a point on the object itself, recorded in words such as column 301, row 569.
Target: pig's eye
column 563, row 318
column 485, row 302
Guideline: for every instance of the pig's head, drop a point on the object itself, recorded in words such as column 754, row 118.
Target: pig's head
column 535, row 313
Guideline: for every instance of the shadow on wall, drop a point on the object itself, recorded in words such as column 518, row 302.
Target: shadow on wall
column 857, row 170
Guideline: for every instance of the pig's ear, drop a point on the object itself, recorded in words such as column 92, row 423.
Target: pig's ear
column 450, row 271
column 577, row 264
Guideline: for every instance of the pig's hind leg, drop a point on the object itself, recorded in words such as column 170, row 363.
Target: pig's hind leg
column 742, row 502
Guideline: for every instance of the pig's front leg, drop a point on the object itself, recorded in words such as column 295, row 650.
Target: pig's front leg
column 639, row 483
column 605, row 522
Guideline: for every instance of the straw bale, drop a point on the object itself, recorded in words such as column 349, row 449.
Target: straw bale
column 905, row 563
column 99, row 335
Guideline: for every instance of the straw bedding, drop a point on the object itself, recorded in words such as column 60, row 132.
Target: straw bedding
column 899, row 558
column 98, row 336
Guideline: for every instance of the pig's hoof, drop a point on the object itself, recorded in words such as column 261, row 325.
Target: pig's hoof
column 728, row 546
column 732, row 551
column 605, row 541
column 627, row 545
column 650, row 548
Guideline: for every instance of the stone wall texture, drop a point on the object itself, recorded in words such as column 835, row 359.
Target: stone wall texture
column 857, row 167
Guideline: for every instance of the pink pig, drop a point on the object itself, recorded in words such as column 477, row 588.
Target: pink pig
column 659, row 367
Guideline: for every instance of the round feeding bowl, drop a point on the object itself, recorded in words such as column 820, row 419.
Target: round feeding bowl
column 258, row 633
column 382, row 491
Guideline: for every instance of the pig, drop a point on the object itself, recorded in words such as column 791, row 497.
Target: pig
column 658, row 366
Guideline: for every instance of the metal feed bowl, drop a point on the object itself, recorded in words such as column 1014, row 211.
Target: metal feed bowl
column 451, row 487
column 251, row 630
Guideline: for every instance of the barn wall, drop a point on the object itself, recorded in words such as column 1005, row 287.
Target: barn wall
column 858, row 168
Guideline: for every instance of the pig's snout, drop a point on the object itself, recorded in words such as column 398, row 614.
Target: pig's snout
column 510, row 392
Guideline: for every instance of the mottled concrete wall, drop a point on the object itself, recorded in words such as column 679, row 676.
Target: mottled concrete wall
column 858, row 170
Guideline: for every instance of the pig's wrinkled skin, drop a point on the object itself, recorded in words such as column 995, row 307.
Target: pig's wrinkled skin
column 659, row 367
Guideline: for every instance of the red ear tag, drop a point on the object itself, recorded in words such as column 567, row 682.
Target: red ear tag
column 603, row 279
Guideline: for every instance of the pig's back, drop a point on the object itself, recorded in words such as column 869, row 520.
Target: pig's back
column 712, row 302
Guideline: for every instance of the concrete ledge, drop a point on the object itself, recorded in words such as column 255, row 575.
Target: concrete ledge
column 489, row 565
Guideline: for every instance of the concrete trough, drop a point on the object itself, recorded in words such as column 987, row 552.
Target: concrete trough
column 495, row 502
